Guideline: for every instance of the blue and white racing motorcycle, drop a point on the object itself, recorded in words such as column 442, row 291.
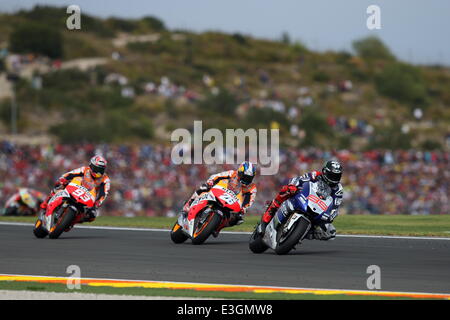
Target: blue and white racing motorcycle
column 313, row 205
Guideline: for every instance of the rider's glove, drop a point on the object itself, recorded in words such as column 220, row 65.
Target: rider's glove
column 203, row 188
column 62, row 182
column 289, row 189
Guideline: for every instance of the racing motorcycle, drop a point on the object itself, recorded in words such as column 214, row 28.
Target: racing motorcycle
column 66, row 208
column 207, row 213
column 310, row 206
column 23, row 203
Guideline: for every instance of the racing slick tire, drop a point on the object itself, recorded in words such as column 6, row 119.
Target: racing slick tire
column 177, row 235
column 299, row 230
column 205, row 229
column 64, row 222
column 39, row 231
column 256, row 243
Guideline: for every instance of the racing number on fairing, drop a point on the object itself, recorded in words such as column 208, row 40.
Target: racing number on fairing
column 82, row 195
column 229, row 199
column 319, row 202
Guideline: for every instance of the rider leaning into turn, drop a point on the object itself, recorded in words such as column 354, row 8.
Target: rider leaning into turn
column 240, row 181
column 94, row 176
column 331, row 175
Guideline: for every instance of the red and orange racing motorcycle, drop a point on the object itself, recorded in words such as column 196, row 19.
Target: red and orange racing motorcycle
column 208, row 213
column 65, row 209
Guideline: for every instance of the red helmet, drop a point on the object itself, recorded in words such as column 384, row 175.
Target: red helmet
column 97, row 166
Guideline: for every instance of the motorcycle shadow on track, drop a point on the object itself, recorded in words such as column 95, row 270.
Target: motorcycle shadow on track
column 221, row 242
column 79, row 237
column 307, row 253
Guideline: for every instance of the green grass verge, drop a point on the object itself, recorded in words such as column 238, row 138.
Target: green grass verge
column 404, row 225
column 52, row 287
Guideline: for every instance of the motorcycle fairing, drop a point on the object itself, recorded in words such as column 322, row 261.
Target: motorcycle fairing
column 309, row 198
column 199, row 204
column 219, row 193
column 271, row 233
column 74, row 189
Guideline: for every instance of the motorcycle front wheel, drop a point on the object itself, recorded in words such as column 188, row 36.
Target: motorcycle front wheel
column 205, row 226
column 295, row 234
column 177, row 235
column 63, row 223
column 256, row 243
column 38, row 230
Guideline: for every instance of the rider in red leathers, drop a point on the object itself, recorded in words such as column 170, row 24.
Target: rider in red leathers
column 94, row 175
column 240, row 181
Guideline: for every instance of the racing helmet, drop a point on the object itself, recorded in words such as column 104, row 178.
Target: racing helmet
column 332, row 172
column 246, row 172
column 97, row 166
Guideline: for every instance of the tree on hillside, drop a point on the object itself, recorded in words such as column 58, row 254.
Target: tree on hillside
column 285, row 38
column 36, row 38
column 315, row 126
column 402, row 82
column 51, row 16
column 372, row 48
column 222, row 103
column 153, row 23
column 55, row 18
column 124, row 25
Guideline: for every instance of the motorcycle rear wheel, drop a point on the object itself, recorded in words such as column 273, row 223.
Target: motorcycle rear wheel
column 177, row 235
column 63, row 223
column 203, row 231
column 300, row 228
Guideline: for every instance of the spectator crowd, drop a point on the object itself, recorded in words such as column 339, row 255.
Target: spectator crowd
column 145, row 182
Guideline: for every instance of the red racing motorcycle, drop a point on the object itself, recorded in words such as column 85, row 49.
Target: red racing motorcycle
column 208, row 213
column 65, row 209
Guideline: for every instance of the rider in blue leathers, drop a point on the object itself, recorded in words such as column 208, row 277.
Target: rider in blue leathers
column 331, row 174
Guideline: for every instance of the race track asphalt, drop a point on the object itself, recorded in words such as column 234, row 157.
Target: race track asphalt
column 406, row 264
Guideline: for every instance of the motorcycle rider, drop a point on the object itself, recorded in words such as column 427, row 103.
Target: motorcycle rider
column 240, row 181
column 331, row 174
column 94, row 175
column 25, row 201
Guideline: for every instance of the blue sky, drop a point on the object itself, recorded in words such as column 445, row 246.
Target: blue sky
column 416, row 31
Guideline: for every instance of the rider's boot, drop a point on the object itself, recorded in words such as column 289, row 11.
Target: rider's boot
column 262, row 227
column 236, row 220
column 239, row 220
column 268, row 215
column 223, row 225
column 87, row 218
